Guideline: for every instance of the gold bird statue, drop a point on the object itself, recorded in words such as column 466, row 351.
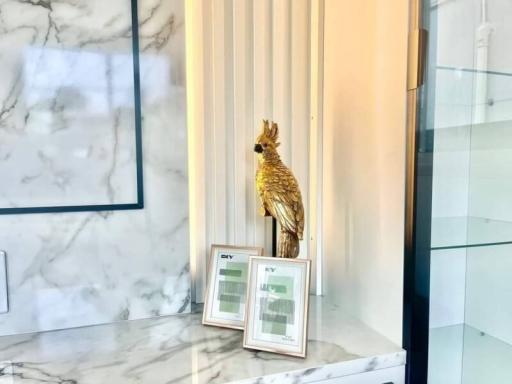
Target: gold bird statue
column 279, row 192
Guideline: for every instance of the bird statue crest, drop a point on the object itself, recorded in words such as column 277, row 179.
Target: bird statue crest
column 279, row 192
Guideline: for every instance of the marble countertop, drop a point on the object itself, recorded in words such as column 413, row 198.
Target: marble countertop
column 179, row 349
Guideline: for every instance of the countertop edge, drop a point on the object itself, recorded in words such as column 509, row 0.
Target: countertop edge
column 331, row 370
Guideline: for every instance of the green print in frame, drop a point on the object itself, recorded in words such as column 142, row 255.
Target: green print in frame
column 277, row 305
column 226, row 287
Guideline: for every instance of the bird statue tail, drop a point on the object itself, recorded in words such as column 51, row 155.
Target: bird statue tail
column 288, row 245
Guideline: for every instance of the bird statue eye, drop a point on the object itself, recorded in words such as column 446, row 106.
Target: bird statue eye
column 265, row 145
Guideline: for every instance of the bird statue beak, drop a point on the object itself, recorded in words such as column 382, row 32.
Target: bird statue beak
column 258, row 148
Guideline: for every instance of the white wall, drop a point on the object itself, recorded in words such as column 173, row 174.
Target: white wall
column 248, row 60
column 447, row 287
column 489, row 291
column 489, row 288
column 445, row 355
column 364, row 158
column 452, row 45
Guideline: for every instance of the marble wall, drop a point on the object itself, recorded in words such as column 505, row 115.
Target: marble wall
column 67, row 119
column 75, row 269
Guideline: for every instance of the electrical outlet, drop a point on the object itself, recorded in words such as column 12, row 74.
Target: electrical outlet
column 4, row 295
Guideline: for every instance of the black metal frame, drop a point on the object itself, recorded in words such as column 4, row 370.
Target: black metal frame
column 274, row 237
column 138, row 145
column 417, row 277
column 416, row 305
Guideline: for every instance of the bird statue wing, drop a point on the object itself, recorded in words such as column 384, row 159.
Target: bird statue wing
column 283, row 200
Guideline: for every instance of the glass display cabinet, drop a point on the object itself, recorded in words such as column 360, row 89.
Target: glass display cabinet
column 460, row 266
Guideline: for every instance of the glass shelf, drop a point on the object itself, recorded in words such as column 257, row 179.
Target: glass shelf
column 467, row 232
column 473, row 185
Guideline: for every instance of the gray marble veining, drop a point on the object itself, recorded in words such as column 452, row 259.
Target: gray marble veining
column 180, row 350
column 67, row 105
column 75, row 269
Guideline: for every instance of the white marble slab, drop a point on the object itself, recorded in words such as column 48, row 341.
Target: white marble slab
column 76, row 269
column 179, row 349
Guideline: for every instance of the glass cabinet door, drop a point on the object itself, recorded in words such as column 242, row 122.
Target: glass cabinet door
column 464, row 156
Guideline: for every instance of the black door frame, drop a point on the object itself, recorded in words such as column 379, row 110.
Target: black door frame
column 418, row 220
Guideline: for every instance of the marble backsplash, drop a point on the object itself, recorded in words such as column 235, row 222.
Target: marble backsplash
column 76, row 269
column 67, row 126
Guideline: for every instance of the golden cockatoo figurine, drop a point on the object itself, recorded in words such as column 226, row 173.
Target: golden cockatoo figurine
column 279, row 192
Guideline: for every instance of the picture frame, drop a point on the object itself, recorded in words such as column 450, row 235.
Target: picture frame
column 225, row 295
column 58, row 163
column 278, row 305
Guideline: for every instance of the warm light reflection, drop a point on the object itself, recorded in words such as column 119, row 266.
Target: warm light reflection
column 194, row 116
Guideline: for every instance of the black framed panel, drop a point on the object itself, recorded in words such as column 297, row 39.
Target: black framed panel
column 41, row 104
column 417, row 251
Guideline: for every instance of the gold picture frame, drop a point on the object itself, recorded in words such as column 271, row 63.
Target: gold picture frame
column 276, row 318
column 225, row 294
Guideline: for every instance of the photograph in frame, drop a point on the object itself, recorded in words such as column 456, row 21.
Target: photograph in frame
column 226, row 286
column 277, row 305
